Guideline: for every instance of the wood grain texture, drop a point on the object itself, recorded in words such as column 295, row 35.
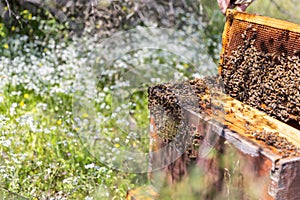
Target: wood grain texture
column 260, row 172
column 263, row 20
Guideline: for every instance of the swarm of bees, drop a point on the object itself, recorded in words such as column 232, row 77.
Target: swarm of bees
column 284, row 147
column 267, row 81
column 167, row 103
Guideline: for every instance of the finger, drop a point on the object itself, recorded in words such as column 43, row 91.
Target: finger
column 223, row 4
column 242, row 7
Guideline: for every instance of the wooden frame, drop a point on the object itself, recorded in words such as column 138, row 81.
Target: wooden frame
column 260, row 164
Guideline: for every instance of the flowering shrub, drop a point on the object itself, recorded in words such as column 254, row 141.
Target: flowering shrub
column 42, row 155
column 71, row 107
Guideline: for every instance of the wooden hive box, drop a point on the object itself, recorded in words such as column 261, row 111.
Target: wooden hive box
column 243, row 152
column 226, row 138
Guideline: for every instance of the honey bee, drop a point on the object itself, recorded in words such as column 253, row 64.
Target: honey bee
column 259, row 77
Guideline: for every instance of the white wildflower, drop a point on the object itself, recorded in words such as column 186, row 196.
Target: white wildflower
column 39, row 163
column 89, row 166
column 12, row 110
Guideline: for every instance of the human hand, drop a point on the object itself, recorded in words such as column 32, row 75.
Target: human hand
column 230, row 4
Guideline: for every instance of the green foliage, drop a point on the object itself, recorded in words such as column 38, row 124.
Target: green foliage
column 42, row 24
column 214, row 20
column 42, row 152
column 41, row 27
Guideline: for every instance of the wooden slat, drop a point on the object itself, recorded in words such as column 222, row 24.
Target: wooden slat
column 259, row 120
column 245, row 119
column 263, row 20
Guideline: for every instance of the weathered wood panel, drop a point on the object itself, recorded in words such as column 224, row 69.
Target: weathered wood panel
column 235, row 163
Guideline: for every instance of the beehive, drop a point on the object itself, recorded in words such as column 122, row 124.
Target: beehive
column 236, row 129
column 260, row 62
column 253, row 138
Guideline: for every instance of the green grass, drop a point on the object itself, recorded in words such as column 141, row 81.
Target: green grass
column 42, row 155
column 58, row 141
